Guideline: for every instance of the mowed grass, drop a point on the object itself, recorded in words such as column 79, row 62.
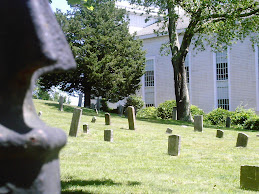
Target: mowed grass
column 137, row 161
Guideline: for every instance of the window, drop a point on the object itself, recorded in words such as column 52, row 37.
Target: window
column 149, row 75
column 222, row 65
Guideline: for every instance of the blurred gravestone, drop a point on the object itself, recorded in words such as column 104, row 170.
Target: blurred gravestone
column 86, row 128
column 61, row 101
column 228, row 122
column 131, row 117
column 120, row 110
column 108, row 135
column 169, row 130
column 32, row 44
column 242, row 140
column 249, row 177
column 93, row 119
column 40, row 113
column 198, row 123
column 174, row 145
column 75, row 122
column 220, row 133
column 107, row 119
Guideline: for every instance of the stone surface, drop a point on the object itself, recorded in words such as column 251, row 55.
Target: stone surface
column 86, row 128
column 75, row 122
column 93, row 119
column 108, row 135
column 107, row 118
column 228, row 122
column 174, row 113
column 242, row 140
column 249, row 177
column 131, row 118
column 169, row 130
column 174, row 145
column 61, row 101
column 80, row 100
column 220, row 133
column 198, row 123
column 32, row 43
column 40, row 113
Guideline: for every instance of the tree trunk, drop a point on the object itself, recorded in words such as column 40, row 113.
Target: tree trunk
column 87, row 100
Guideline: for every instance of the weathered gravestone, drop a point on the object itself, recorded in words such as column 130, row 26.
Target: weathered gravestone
column 107, row 119
column 75, row 122
column 131, row 117
column 108, row 135
column 93, row 119
column 61, row 101
column 174, row 113
column 86, row 128
column 40, row 113
column 242, row 140
column 169, row 130
column 80, row 99
column 32, row 43
column 220, row 133
column 174, row 145
column 228, row 122
column 198, row 123
column 249, row 177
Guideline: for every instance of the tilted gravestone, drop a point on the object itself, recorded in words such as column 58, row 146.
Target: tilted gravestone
column 32, row 43
column 107, row 119
column 174, row 145
column 75, row 122
column 249, row 177
column 242, row 140
column 174, row 113
column 108, row 135
column 198, row 123
column 61, row 101
column 169, row 130
column 228, row 122
column 86, row 128
column 220, row 133
column 93, row 119
column 131, row 117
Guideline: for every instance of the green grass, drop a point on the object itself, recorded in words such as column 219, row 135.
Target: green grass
column 137, row 161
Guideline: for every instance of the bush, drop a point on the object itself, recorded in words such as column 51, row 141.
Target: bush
column 196, row 111
column 217, row 116
column 165, row 109
column 148, row 113
column 240, row 115
column 104, row 105
column 134, row 101
column 252, row 124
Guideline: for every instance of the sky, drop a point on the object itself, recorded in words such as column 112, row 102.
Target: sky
column 60, row 4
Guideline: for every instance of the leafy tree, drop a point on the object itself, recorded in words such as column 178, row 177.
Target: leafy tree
column 217, row 23
column 110, row 61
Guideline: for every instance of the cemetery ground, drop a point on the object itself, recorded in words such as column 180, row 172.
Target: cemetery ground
column 138, row 162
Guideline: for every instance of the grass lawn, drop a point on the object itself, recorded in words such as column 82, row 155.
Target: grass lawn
column 137, row 161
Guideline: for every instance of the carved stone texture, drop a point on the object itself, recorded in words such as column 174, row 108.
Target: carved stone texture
column 75, row 122
column 32, row 43
column 249, row 177
column 107, row 119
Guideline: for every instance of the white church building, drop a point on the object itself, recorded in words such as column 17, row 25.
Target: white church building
column 223, row 79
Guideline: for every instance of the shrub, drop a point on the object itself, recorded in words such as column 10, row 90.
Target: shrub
column 135, row 101
column 148, row 113
column 165, row 109
column 240, row 115
column 217, row 116
column 252, row 124
column 196, row 111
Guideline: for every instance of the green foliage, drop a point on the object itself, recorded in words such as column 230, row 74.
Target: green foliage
column 135, row 101
column 196, row 111
column 240, row 115
column 104, row 105
column 217, row 116
column 147, row 113
column 165, row 109
column 252, row 123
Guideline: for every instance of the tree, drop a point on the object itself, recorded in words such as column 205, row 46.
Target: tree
column 110, row 61
column 217, row 23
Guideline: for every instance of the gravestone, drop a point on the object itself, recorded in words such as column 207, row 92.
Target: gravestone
column 174, row 145
column 80, row 99
column 228, row 122
column 174, row 113
column 242, row 140
column 107, row 119
column 220, row 133
column 40, row 113
column 75, row 122
column 131, row 118
column 29, row 149
column 93, row 119
column 86, row 128
column 61, row 101
column 169, row 130
column 98, row 104
column 249, row 177
column 108, row 135
column 120, row 110
column 198, row 123
column 257, row 135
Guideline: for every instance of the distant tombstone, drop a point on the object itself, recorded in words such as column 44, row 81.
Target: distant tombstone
column 107, row 119
column 174, row 145
column 220, row 133
column 108, row 135
column 86, row 128
column 80, row 99
column 93, row 119
column 40, row 113
column 75, row 122
column 249, row 177
column 98, row 104
column 228, row 122
column 61, row 101
column 169, row 130
column 120, row 110
column 198, row 123
column 131, row 117
column 257, row 135
column 174, row 113
column 242, row 140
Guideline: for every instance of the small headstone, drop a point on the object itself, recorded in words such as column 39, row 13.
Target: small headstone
column 242, row 140
column 198, row 123
column 61, row 101
column 174, row 113
column 86, row 128
column 108, row 135
column 131, row 117
column 93, row 119
column 169, row 130
column 75, row 122
column 220, row 133
column 228, row 122
column 39, row 114
column 107, row 119
column 249, row 177
column 80, row 99
column 174, row 145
